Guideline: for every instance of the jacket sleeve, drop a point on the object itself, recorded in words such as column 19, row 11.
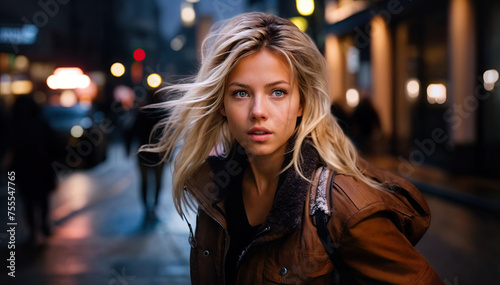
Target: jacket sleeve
column 377, row 252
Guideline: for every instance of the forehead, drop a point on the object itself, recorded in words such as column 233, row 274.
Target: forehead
column 261, row 66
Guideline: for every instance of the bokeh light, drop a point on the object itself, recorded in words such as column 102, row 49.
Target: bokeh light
column 178, row 42
column 352, row 97
column 436, row 93
column 139, row 54
column 412, row 88
column 305, row 7
column 154, row 80
column 76, row 131
column 188, row 15
column 21, row 63
column 490, row 77
column 21, row 87
column 117, row 69
column 300, row 22
column 68, row 98
column 68, row 78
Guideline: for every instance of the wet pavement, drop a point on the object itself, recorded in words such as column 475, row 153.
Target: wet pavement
column 100, row 235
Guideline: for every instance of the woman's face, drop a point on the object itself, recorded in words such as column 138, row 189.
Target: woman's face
column 262, row 103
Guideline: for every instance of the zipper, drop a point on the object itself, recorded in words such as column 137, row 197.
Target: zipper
column 245, row 251
column 226, row 245
column 226, row 249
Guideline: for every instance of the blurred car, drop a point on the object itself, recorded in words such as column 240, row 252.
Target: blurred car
column 80, row 134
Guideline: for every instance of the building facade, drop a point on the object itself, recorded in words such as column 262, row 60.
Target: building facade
column 430, row 71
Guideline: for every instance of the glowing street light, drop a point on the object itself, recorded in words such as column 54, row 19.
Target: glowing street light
column 117, row 69
column 305, row 7
column 19, row 87
column 436, row 93
column 412, row 88
column 188, row 15
column 76, row 131
column 300, row 22
column 352, row 98
column 490, row 77
column 154, row 80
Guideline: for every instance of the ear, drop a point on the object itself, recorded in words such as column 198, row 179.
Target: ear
column 222, row 110
column 301, row 111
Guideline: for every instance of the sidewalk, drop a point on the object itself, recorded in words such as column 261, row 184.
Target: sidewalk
column 479, row 192
column 99, row 235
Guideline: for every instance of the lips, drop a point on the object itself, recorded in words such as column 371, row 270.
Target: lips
column 259, row 134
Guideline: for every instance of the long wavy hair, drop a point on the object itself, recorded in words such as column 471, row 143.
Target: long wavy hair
column 196, row 125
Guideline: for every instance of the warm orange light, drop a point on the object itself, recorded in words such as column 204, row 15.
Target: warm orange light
column 352, row 98
column 436, row 93
column 136, row 72
column 154, row 80
column 490, row 78
column 188, row 14
column 68, row 98
column 68, row 78
column 412, row 88
column 88, row 93
column 117, row 69
column 20, row 87
column 300, row 22
column 305, row 7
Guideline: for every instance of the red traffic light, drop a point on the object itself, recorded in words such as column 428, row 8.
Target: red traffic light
column 139, row 54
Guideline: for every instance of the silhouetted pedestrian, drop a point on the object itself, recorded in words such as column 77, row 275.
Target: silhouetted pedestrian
column 33, row 146
column 148, row 162
column 365, row 126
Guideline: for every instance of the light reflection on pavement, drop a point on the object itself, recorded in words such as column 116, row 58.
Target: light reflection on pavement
column 99, row 235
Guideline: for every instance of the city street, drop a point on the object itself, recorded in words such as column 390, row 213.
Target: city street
column 99, row 236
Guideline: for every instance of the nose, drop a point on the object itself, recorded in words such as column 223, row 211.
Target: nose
column 258, row 109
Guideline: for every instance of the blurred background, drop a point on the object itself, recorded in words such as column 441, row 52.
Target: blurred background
column 414, row 83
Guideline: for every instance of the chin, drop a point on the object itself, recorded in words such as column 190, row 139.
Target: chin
column 260, row 151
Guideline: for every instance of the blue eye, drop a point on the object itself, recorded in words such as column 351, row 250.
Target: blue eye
column 240, row 94
column 279, row 93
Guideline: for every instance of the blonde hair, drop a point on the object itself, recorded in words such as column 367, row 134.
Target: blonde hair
column 195, row 119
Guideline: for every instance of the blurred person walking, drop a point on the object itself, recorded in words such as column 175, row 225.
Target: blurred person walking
column 149, row 163
column 366, row 132
column 33, row 148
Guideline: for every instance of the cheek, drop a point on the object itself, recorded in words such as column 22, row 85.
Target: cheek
column 235, row 117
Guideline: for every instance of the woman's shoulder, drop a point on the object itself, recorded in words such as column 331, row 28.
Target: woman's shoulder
column 398, row 200
column 210, row 180
column 394, row 191
column 200, row 182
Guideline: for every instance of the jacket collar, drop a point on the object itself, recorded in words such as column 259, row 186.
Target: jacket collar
column 286, row 213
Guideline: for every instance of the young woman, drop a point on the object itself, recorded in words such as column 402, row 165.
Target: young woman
column 257, row 142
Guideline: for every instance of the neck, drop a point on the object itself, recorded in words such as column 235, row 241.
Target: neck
column 264, row 172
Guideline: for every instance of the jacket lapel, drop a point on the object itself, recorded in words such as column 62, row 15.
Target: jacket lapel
column 288, row 206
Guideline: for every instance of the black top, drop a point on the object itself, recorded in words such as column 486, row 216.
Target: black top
column 241, row 233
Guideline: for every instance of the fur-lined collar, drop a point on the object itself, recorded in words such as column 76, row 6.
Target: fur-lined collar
column 286, row 213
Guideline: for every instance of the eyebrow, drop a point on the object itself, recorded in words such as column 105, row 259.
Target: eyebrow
column 266, row 86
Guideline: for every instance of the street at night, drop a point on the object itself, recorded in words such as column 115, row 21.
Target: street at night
column 412, row 84
column 100, row 237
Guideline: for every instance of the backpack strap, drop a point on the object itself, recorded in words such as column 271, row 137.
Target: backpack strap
column 321, row 203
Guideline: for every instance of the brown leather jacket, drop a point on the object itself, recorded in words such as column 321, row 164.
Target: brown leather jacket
column 376, row 244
